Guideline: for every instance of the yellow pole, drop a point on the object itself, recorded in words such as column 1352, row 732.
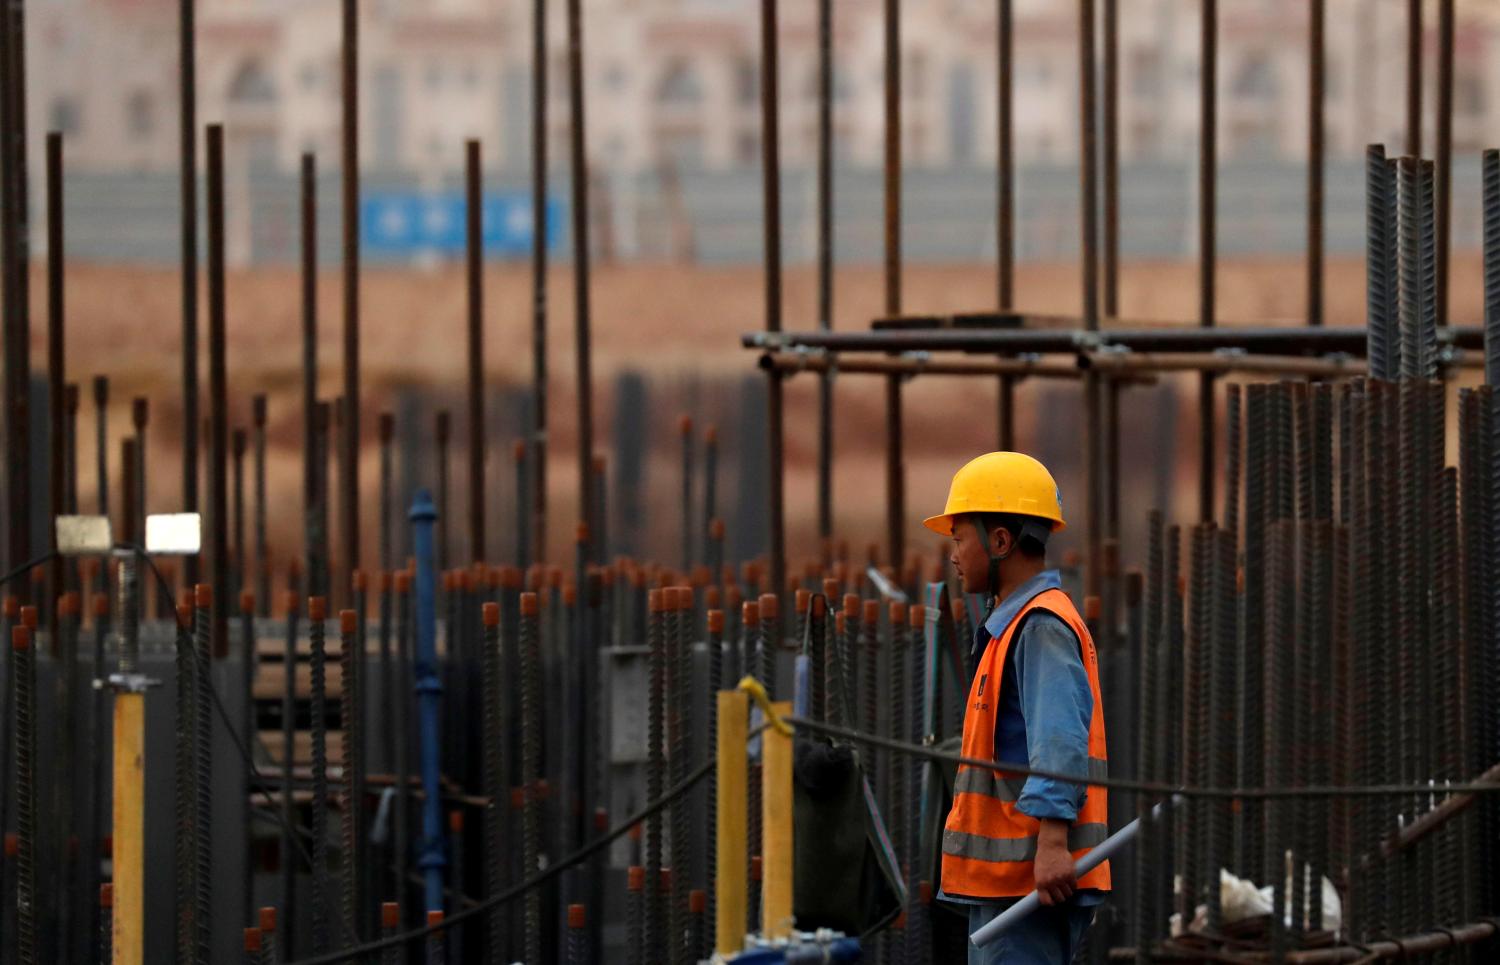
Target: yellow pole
column 129, row 828
column 776, row 829
column 732, row 870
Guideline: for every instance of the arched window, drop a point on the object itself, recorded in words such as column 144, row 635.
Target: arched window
column 679, row 86
column 251, row 85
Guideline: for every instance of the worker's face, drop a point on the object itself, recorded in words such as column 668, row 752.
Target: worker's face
column 970, row 560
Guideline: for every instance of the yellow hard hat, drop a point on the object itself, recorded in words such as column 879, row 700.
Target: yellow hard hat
column 1001, row 482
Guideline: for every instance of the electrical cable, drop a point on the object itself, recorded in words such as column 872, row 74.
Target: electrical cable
column 1149, row 787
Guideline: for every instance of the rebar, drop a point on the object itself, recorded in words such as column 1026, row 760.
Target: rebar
column 390, row 923
column 495, row 781
column 656, row 641
column 635, row 916
column 28, row 934
column 436, row 951
column 262, row 582
column 351, row 714
column 106, row 929
column 1490, row 170
column 677, row 603
column 247, row 730
column 288, row 758
column 218, row 404
column 317, row 613
column 204, row 610
column 531, row 753
column 266, row 918
column 917, row 950
column 402, row 714
column 896, row 804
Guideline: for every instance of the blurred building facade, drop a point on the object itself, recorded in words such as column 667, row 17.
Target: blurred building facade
column 676, row 81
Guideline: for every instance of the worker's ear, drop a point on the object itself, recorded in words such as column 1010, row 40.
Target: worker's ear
column 1001, row 542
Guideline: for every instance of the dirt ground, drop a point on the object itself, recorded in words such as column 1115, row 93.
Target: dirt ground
column 669, row 321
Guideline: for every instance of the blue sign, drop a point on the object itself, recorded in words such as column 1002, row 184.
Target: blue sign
column 403, row 224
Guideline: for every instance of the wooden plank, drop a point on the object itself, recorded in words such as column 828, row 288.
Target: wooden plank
column 776, row 830
column 129, row 829
column 732, row 870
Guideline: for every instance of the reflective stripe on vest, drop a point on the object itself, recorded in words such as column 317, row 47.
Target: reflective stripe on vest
column 980, row 848
column 979, row 780
column 988, row 843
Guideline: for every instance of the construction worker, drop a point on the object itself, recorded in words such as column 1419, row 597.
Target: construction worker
column 1034, row 699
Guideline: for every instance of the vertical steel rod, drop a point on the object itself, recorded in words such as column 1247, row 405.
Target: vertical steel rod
column 1315, row 89
column 578, row 165
column 1414, row 78
column 262, row 581
column 1089, row 248
column 771, row 200
column 1111, row 129
column 825, row 262
column 1444, row 214
column 1207, row 211
column 187, row 135
column 474, row 264
column 315, row 539
column 349, row 160
column 56, row 360
column 217, row 389
column 539, row 133
column 895, row 495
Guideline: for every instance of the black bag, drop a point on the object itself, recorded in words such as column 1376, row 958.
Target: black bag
column 845, row 873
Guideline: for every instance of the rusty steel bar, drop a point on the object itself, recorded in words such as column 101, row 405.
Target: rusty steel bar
column 1315, row 90
column 1110, row 116
column 1444, row 180
column 895, row 482
column 537, row 481
column 14, row 242
column 1383, row 349
column 791, row 363
column 1410, row 945
column 1207, row 238
column 1005, row 217
column 1275, row 340
column 771, row 200
column 56, row 379
column 578, row 167
column 315, row 537
column 825, row 260
column 218, row 401
column 1413, row 78
column 101, row 451
column 262, row 581
column 1089, row 266
column 237, row 445
column 474, row 265
column 288, row 754
column 349, row 164
column 187, row 147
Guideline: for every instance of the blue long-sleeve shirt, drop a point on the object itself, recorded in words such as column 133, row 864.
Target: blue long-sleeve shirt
column 1045, row 705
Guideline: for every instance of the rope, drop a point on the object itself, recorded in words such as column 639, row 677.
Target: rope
column 1149, row 787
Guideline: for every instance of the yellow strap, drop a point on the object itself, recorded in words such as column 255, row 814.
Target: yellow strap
column 762, row 700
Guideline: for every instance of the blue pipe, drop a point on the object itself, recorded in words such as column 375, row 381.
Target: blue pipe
column 423, row 515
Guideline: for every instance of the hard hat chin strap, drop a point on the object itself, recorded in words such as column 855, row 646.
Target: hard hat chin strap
column 982, row 529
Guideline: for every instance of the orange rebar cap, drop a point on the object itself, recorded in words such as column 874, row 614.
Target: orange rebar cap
column 28, row 617
column 107, row 895
column 348, row 620
column 247, row 601
column 917, row 615
column 317, row 608
column 20, row 638
column 252, row 939
column 490, row 613
column 529, row 604
column 577, row 917
column 203, row 596
column 268, row 919
column 715, row 621
column 635, row 878
column 390, row 915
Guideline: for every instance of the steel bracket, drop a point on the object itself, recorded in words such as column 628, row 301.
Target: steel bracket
column 127, row 683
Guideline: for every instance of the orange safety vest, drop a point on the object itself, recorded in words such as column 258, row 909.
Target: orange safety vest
column 988, row 844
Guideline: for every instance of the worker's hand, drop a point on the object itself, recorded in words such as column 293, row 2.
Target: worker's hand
column 1053, row 865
